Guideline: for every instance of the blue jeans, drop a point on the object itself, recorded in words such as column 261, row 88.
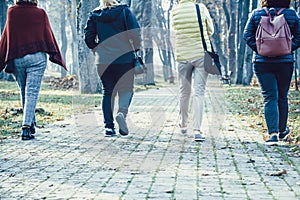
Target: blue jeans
column 116, row 79
column 29, row 71
column 275, row 80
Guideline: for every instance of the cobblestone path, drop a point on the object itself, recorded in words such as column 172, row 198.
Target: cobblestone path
column 73, row 160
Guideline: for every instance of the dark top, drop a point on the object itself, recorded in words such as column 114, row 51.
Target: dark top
column 27, row 31
column 293, row 21
column 106, row 31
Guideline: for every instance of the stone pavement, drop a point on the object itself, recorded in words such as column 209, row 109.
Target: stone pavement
column 73, row 160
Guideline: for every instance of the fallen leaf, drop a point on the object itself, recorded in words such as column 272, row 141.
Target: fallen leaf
column 279, row 173
column 265, row 137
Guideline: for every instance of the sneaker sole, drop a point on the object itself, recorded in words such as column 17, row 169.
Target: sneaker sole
column 285, row 137
column 122, row 125
column 271, row 143
column 27, row 138
column 199, row 140
column 109, row 135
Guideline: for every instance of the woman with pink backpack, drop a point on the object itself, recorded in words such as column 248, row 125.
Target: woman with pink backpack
column 274, row 70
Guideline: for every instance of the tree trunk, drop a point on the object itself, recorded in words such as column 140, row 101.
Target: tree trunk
column 248, row 66
column 74, row 44
column 3, row 12
column 244, row 10
column 170, row 54
column 148, row 42
column 218, row 27
column 64, row 40
column 231, row 39
column 88, row 76
column 162, row 40
column 143, row 12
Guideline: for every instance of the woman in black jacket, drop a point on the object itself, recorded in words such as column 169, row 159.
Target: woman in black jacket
column 274, row 73
column 108, row 31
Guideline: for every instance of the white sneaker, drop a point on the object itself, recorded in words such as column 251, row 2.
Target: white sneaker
column 199, row 136
column 123, row 129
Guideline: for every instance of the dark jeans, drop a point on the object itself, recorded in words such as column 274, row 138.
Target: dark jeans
column 274, row 80
column 116, row 79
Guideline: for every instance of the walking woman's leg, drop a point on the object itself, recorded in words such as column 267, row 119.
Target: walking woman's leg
column 185, row 70
column 269, row 90
column 124, row 87
column 35, row 73
column 284, row 77
column 20, row 76
column 200, row 78
column 108, row 82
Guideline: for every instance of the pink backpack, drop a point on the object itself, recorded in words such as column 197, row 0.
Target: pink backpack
column 273, row 35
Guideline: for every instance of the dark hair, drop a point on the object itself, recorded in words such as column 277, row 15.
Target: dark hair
column 276, row 3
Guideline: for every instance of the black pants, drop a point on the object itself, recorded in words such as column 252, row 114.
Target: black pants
column 116, row 79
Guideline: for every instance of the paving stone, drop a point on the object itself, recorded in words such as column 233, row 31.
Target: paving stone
column 72, row 159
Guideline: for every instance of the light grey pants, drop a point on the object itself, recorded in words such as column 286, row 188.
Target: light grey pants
column 29, row 72
column 188, row 70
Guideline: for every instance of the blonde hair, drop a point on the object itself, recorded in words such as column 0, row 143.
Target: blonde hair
column 27, row 1
column 108, row 3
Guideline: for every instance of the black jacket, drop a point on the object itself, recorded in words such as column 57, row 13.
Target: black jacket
column 293, row 21
column 106, row 33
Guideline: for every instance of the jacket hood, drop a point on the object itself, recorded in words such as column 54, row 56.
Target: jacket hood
column 108, row 14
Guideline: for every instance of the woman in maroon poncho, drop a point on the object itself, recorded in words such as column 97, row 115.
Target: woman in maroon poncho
column 25, row 42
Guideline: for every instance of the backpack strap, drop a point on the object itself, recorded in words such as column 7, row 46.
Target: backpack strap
column 266, row 9
column 277, row 13
column 280, row 11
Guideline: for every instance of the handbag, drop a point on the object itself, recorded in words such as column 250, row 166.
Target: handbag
column 139, row 66
column 212, row 63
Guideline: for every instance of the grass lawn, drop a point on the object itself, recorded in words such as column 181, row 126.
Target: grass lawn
column 248, row 102
column 53, row 105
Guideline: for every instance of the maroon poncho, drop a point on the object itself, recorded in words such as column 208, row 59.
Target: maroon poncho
column 27, row 31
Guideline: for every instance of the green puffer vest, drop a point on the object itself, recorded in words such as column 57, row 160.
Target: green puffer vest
column 188, row 44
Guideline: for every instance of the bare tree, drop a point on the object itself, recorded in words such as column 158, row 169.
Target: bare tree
column 64, row 40
column 4, row 4
column 71, row 15
column 89, row 80
column 243, row 17
column 162, row 39
column 143, row 11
